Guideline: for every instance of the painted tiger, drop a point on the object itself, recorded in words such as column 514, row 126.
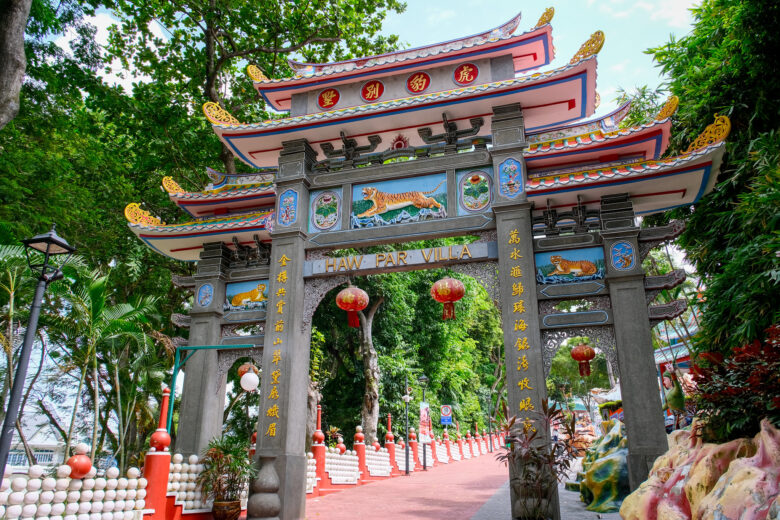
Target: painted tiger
column 255, row 295
column 384, row 202
column 575, row 267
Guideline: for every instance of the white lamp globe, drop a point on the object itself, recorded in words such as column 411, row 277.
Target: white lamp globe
column 250, row 381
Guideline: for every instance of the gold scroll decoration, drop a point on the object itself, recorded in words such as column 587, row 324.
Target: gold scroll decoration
column 589, row 48
column 669, row 108
column 714, row 133
column 546, row 17
column 256, row 74
column 135, row 215
column 171, row 186
column 218, row 115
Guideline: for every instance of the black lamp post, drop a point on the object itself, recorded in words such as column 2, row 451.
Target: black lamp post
column 424, row 382
column 49, row 244
column 406, row 397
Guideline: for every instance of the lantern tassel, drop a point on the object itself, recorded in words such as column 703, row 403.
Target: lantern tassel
column 449, row 311
column 584, row 368
column 353, row 319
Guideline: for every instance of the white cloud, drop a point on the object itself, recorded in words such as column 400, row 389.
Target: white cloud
column 620, row 67
column 675, row 13
column 439, row 16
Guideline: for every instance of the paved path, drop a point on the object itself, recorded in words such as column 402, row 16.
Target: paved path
column 450, row 491
column 475, row 489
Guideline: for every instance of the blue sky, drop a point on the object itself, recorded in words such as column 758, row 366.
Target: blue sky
column 630, row 27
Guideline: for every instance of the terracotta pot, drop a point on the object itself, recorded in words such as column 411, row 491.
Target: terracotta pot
column 226, row 510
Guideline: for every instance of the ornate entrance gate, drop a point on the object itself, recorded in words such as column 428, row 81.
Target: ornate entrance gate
column 447, row 140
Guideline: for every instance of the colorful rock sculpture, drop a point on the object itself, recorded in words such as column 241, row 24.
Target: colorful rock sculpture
column 604, row 477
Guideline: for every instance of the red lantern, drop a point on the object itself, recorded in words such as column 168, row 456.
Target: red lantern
column 448, row 291
column 352, row 300
column 582, row 353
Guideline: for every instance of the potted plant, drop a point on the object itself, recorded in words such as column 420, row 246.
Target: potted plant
column 226, row 474
column 537, row 464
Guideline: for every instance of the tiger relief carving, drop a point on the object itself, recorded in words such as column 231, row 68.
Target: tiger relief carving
column 255, row 295
column 384, row 202
column 575, row 267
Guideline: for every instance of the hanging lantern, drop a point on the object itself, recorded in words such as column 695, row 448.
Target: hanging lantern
column 248, row 378
column 352, row 300
column 448, row 291
column 582, row 354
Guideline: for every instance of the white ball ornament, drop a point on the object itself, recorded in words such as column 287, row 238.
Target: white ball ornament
column 185, row 467
column 57, row 509
column 177, row 458
column 44, row 510
column 129, row 515
column 177, row 468
column 131, row 494
column 19, row 484
column 91, row 473
column 119, row 505
column 29, row 510
column 249, row 381
column 84, row 507
column 141, row 493
column 31, row 497
column 132, row 483
column 60, row 496
column 97, row 495
column 17, row 497
column 73, row 496
column 111, row 483
column 62, row 483
column 139, row 504
column 83, row 516
column 121, row 483
column 34, row 484
column 121, row 494
column 94, row 516
column 4, row 498
column 142, row 483
column 35, row 471
column 133, row 473
column 71, row 508
column 108, row 506
column 88, row 483
column 110, row 494
column 106, row 516
column 97, row 507
column 49, row 484
column 13, row 511
column 100, row 483
column 112, row 473
column 193, row 459
column 86, row 495
column 63, row 471
column 119, row 515
column 75, row 484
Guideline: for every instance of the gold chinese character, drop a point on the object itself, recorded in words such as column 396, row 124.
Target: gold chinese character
column 520, row 325
column 522, row 344
column 274, row 393
column 517, row 289
column 278, row 341
column 519, row 306
column 277, row 357
column 279, row 326
column 273, row 411
column 514, row 238
column 372, row 91
column 281, row 291
column 271, row 431
column 524, row 384
column 465, row 75
column 515, row 254
column 280, row 306
column 275, row 375
column 328, row 98
column 283, row 260
column 282, row 276
column 516, row 272
column 522, row 363
column 526, row 404
column 418, row 82
column 528, row 425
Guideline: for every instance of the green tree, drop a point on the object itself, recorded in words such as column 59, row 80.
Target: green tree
column 732, row 233
column 564, row 380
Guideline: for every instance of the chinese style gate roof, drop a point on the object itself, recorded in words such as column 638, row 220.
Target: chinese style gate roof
column 529, row 50
column 230, row 195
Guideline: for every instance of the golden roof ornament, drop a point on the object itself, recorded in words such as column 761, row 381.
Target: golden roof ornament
column 669, row 108
column 218, row 115
column 546, row 17
column 135, row 215
column 714, row 133
column 597, row 102
column 256, row 74
column 171, row 186
column 589, row 48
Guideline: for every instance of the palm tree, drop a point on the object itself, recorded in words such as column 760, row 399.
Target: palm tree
column 91, row 328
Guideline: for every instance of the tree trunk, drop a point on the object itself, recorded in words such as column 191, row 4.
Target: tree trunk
column 313, row 399
column 73, row 415
column 13, row 21
column 96, row 421
column 369, row 412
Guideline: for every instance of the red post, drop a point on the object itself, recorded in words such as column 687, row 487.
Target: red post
column 390, row 445
column 318, row 449
column 360, row 448
column 414, row 447
column 157, row 464
column 446, row 437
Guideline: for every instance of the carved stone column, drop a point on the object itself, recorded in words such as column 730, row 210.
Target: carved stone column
column 280, row 488
column 523, row 353
column 638, row 382
column 203, row 397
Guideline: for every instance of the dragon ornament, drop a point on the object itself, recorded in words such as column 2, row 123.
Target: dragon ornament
column 589, row 48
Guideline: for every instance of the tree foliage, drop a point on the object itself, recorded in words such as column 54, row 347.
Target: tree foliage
column 732, row 233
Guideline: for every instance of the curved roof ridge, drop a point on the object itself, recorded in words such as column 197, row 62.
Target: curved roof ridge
column 504, row 30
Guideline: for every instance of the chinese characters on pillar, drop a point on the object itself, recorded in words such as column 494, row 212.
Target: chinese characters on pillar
column 525, row 384
column 277, row 318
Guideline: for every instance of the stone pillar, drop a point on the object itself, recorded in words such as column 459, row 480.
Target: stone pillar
column 643, row 415
column 519, row 307
column 203, row 396
column 279, row 490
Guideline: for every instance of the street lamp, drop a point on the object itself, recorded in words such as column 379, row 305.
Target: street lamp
column 423, row 379
column 406, row 397
column 49, row 244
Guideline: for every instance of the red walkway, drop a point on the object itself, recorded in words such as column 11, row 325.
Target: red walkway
column 450, row 491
